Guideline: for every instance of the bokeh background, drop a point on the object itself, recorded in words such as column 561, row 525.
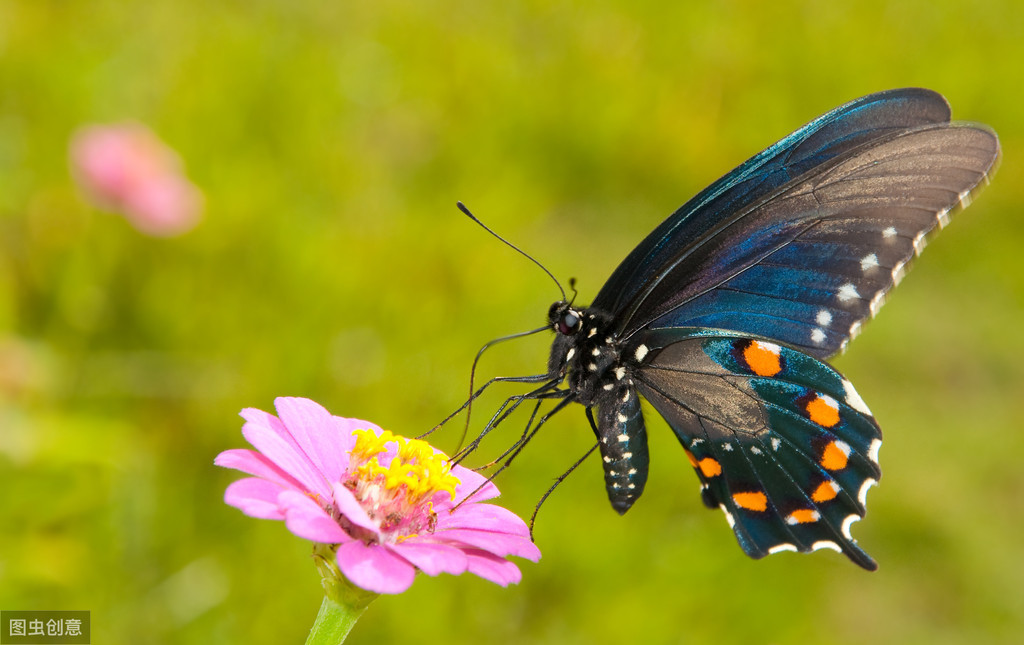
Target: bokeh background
column 331, row 141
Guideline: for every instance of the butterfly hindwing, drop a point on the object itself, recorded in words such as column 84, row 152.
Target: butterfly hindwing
column 781, row 442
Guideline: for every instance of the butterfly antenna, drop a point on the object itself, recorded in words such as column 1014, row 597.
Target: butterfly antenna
column 462, row 207
column 559, row 480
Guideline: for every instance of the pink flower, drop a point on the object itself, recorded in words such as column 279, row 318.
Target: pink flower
column 387, row 502
column 127, row 169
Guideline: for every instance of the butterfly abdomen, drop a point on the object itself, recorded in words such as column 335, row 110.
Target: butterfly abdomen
column 591, row 360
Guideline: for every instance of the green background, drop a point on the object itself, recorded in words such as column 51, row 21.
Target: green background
column 332, row 140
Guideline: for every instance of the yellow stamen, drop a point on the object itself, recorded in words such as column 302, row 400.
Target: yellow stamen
column 417, row 467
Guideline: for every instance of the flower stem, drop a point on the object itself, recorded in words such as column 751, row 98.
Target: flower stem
column 343, row 602
column 333, row 623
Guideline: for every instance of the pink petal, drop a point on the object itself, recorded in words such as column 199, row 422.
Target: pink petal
column 493, row 568
column 254, row 463
column 432, row 559
column 375, row 568
column 347, row 426
column 469, row 482
column 286, row 457
column 500, row 544
column 126, row 168
column 349, row 506
column 270, row 422
column 316, row 433
column 164, row 206
column 483, row 517
column 307, row 519
column 255, row 497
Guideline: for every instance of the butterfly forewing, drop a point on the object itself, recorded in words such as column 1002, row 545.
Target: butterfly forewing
column 780, row 441
column 827, row 137
column 812, row 262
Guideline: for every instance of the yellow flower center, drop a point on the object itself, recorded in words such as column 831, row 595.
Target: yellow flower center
column 395, row 486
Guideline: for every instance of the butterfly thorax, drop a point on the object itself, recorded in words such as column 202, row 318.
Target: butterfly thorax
column 584, row 352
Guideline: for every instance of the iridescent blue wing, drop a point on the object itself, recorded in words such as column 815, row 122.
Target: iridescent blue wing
column 781, row 442
column 809, row 261
column 828, row 136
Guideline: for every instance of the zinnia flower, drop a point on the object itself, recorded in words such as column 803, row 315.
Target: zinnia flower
column 391, row 505
column 127, row 169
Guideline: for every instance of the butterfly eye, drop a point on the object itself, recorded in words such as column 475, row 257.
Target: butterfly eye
column 569, row 323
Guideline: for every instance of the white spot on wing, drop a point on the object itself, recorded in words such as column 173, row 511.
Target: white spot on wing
column 728, row 515
column 847, row 292
column 862, row 496
column 876, row 303
column 847, row 523
column 889, row 232
column 727, row 446
column 898, row 272
column 853, row 398
column 755, row 450
column 965, row 198
column 817, row 336
column 826, row 544
column 779, row 548
column 873, row 450
column 868, row 262
column 824, row 318
column 641, row 352
column 855, row 329
column 776, row 442
column 919, row 243
column 943, row 217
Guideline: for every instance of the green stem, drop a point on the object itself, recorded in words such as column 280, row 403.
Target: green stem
column 343, row 602
column 333, row 623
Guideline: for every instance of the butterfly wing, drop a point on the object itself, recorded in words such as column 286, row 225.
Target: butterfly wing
column 781, row 442
column 810, row 261
column 825, row 138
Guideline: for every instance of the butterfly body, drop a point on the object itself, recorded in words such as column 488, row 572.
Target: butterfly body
column 722, row 317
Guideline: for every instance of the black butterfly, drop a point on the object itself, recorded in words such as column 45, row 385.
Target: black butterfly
column 722, row 316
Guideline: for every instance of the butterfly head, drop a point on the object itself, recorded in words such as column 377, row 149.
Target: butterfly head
column 564, row 319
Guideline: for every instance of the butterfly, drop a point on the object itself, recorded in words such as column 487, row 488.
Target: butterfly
column 723, row 316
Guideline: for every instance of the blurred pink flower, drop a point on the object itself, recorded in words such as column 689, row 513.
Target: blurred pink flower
column 127, row 169
column 388, row 502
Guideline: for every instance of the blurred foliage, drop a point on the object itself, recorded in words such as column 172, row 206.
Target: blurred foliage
column 331, row 140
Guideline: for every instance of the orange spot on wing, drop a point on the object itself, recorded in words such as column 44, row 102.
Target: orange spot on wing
column 825, row 491
column 835, row 456
column 710, row 467
column 752, row 501
column 762, row 358
column 803, row 516
column 823, row 411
